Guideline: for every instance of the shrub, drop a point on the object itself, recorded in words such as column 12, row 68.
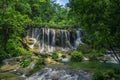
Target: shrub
column 3, row 55
column 26, row 60
column 76, row 56
column 63, row 56
column 116, row 70
column 55, row 55
column 112, row 74
column 95, row 55
column 98, row 76
column 14, row 48
column 40, row 60
column 84, row 48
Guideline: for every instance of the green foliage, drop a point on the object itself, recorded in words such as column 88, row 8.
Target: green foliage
column 40, row 60
column 95, row 55
column 107, row 75
column 14, row 48
column 3, row 55
column 26, row 60
column 117, row 73
column 17, row 15
column 116, row 70
column 84, row 48
column 64, row 55
column 55, row 55
column 98, row 76
column 100, row 20
column 76, row 56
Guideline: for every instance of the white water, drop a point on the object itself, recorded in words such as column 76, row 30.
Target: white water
column 49, row 50
column 62, row 74
column 53, row 41
column 42, row 48
column 78, row 39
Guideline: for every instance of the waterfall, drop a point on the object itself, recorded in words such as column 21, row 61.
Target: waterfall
column 61, row 36
column 49, row 41
column 43, row 32
column 53, row 41
column 69, row 45
column 46, row 39
column 78, row 38
column 32, row 45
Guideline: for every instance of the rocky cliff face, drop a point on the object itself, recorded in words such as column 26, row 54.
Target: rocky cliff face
column 48, row 39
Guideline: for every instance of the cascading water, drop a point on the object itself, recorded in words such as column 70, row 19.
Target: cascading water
column 42, row 47
column 78, row 38
column 60, row 74
column 48, row 40
column 53, row 41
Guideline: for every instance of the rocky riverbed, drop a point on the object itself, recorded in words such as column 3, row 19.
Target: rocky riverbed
column 60, row 74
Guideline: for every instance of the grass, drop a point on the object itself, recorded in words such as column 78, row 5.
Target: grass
column 93, row 66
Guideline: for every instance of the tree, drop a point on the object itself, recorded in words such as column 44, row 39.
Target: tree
column 100, row 20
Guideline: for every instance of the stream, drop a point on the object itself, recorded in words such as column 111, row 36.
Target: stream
column 60, row 74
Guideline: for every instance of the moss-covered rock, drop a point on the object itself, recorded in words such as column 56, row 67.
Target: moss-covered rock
column 29, row 41
column 49, row 60
column 9, row 76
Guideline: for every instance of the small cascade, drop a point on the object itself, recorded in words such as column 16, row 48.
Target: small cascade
column 49, row 50
column 65, row 38
column 78, row 38
column 60, row 74
column 62, row 40
column 42, row 47
column 53, row 41
column 48, row 40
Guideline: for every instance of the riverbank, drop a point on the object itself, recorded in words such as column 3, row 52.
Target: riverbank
column 81, row 69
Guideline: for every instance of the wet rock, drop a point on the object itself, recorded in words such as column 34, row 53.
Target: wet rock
column 65, row 60
column 8, row 67
column 49, row 60
column 16, row 68
column 110, row 58
column 85, row 59
column 61, row 74
column 13, row 60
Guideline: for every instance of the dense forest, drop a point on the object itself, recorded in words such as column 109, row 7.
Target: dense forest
column 98, row 20
column 18, row 15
